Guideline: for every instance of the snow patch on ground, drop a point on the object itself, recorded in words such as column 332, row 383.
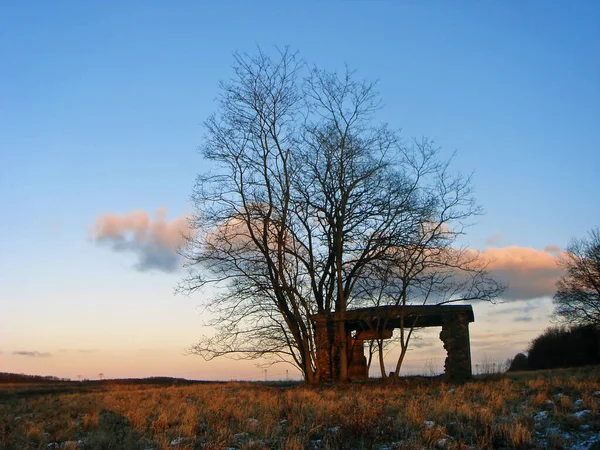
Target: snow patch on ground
column 177, row 442
column 580, row 414
column 65, row 444
column 441, row 444
column 587, row 444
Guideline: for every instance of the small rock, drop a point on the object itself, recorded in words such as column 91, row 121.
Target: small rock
column 283, row 422
column 177, row 441
column 579, row 403
column 240, row 436
column 539, row 416
column 441, row 444
column 333, row 430
column 252, row 421
column 451, row 391
column 429, row 424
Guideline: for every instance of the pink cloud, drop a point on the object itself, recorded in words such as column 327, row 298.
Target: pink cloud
column 529, row 273
column 154, row 241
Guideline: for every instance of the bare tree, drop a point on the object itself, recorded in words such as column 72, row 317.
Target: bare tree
column 577, row 299
column 431, row 270
column 307, row 197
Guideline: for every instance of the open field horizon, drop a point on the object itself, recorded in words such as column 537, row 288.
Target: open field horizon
column 555, row 409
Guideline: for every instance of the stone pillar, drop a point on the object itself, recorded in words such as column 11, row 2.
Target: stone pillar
column 357, row 361
column 455, row 336
column 324, row 344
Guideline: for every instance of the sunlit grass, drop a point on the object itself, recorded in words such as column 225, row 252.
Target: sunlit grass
column 526, row 410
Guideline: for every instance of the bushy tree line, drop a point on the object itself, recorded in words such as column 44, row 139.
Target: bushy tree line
column 574, row 346
column 6, row 377
column 577, row 307
column 577, row 297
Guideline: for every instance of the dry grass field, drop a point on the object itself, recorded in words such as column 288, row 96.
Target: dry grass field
column 558, row 409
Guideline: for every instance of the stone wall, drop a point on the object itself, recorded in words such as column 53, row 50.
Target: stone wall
column 357, row 361
column 324, row 344
column 330, row 338
column 455, row 336
column 327, row 360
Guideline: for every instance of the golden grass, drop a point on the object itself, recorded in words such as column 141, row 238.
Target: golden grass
column 542, row 410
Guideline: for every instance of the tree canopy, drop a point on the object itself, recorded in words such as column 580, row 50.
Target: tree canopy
column 577, row 299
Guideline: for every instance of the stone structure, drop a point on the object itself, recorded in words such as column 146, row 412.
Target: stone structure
column 362, row 324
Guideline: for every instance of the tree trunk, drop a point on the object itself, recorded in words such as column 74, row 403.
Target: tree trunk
column 310, row 376
column 400, row 360
column 370, row 359
column 342, row 347
column 381, row 362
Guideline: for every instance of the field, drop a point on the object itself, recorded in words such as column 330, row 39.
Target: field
column 558, row 409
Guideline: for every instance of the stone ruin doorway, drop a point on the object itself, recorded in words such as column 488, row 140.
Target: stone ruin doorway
column 379, row 322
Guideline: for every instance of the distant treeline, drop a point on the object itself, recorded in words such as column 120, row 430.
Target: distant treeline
column 22, row 378
column 151, row 380
column 561, row 347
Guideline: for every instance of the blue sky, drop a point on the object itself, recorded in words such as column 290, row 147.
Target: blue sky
column 101, row 111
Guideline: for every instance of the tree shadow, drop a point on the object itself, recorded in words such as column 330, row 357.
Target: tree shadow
column 115, row 432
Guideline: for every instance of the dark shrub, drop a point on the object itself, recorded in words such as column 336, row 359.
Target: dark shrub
column 565, row 347
column 518, row 363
